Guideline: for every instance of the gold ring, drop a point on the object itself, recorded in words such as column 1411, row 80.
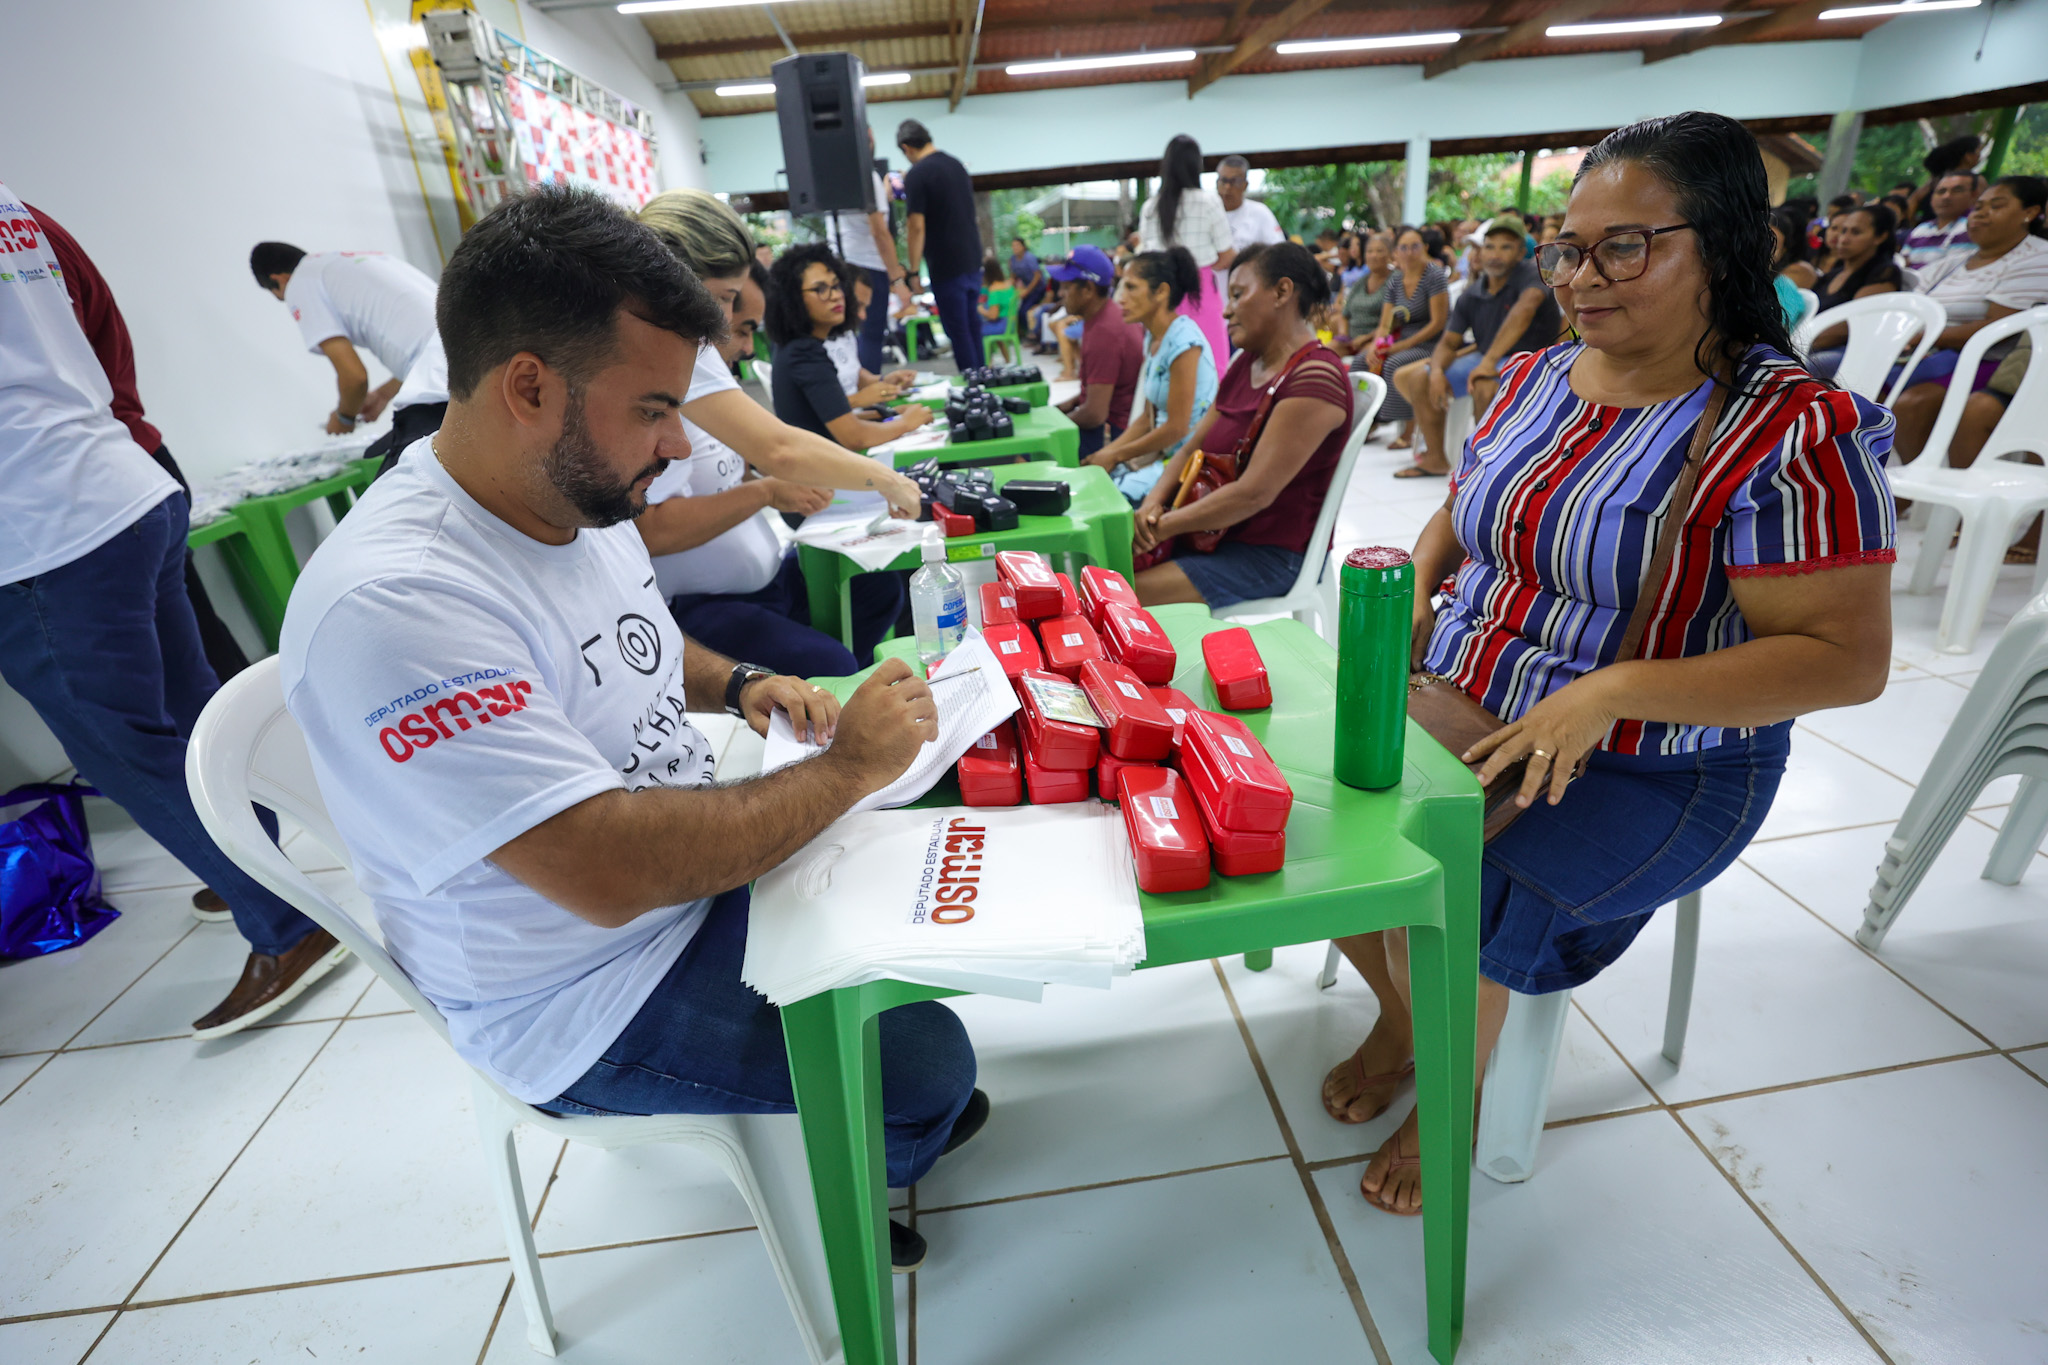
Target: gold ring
column 1538, row 753
column 816, row 688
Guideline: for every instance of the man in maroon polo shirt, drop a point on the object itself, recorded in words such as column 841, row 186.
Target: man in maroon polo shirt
column 1112, row 350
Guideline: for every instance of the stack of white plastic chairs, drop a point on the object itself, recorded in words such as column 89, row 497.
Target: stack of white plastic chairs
column 2002, row 730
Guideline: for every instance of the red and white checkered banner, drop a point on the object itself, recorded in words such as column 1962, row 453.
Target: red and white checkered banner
column 566, row 145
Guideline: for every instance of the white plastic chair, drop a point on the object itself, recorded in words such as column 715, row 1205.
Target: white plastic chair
column 1518, row 1074
column 1306, row 599
column 1812, row 302
column 1880, row 327
column 1994, row 499
column 2001, row 730
column 245, row 748
column 765, row 372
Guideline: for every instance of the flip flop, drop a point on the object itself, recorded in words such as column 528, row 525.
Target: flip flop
column 1394, row 1163
column 1416, row 471
column 1365, row 1083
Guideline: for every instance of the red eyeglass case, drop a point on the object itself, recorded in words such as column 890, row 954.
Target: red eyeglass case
column 1056, row 745
column 1131, row 636
column 1240, row 853
column 1014, row 646
column 1052, row 786
column 992, row 772
column 1099, row 585
column 998, row 607
column 1031, row 581
column 1070, row 601
column 1168, row 843
column 1237, row 670
column 1069, row 642
column 1178, row 709
column 1107, row 768
column 1135, row 725
column 1234, row 775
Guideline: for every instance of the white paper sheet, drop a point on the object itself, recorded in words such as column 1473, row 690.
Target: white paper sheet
column 858, row 526
column 972, row 696
column 930, row 436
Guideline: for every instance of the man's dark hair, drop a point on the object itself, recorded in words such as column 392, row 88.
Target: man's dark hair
column 274, row 258
column 548, row 272
column 1976, row 180
column 1273, row 262
column 785, row 315
column 911, row 133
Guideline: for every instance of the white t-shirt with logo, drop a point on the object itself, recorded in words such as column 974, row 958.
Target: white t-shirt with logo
column 427, row 380
column 845, row 352
column 856, row 238
column 1251, row 222
column 381, row 304
column 458, row 683
column 741, row 559
column 71, row 477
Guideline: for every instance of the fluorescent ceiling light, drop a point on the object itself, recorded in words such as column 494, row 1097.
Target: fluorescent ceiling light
column 1634, row 26
column 886, row 78
column 1185, row 54
column 1363, row 44
column 733, row 92
column 669, row 6
column 1874, row 11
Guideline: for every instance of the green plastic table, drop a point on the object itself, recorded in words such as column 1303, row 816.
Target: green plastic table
column 1042, row 433
column 1357, row 861
column 1037, row 395
column 259, row 551
column 1097, row 526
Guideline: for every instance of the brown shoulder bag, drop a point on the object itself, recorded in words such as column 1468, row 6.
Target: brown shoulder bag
column 1457, row 722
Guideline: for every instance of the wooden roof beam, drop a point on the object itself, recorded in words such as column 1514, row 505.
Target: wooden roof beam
column 1741, row 30
column 1262, row 36
column 830, row 37
column 970, row 48
column 1517, row 35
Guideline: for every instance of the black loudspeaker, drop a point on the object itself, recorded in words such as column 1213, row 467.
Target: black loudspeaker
column 823, row 112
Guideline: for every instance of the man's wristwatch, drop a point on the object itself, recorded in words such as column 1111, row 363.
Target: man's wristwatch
column 742, row 674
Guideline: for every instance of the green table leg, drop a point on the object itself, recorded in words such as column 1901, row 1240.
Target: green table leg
column 1258, row 960
column 272, row 566
column 835, row 1066
column 1445, row 1001
column 824, row 591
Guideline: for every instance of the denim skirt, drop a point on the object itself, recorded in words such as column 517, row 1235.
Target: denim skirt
column 1566, row 888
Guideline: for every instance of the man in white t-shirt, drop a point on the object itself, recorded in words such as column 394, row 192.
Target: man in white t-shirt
column 96, row 631
column 344, row 301
column 497, row 706
column 1250, row 221
column 866, row 242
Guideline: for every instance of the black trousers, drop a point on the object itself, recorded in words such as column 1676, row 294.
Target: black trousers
column 408, row 424
column 223, row 651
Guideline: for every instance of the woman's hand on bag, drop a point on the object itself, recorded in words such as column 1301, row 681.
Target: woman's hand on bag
column 1145, row 526
column 1554, row 735
column 1425, row 626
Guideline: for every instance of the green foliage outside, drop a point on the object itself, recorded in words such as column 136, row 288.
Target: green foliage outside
column 1891, row 154
column 1307, row 199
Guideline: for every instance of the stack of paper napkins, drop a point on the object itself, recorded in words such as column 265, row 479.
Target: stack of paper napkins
column 999, row 901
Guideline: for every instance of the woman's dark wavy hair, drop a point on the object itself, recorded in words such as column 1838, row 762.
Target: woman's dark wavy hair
column 1792, row 227
column 783, row 313
column 1952, row 155
column 1712, row 164
column 1273, row 262
column 1175, row 268
column 1180, row 170
column 2032, row 192
column 1880, row 268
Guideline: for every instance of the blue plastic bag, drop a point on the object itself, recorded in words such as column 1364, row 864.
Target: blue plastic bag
column 49, row 886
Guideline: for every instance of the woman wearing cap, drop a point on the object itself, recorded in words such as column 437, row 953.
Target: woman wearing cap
column 1653, row 744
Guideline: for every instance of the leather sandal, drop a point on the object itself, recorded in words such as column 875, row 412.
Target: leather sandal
column 1395, row 1162
column 1357, row 1064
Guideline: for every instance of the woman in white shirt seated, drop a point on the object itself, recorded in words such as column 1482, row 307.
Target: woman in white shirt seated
column 2007, row 273
column 1184, row 214
column 710, row 528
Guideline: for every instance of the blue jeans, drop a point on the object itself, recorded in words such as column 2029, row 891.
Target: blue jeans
column 1566, row 888
column 1458, row 374
column 1238, row 572
column 1093, row 438
column 107, row 650
column 772, row 627
column 706, row 1043
column 955, row 301
column 874, row 324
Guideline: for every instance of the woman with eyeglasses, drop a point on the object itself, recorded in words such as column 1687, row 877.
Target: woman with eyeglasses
column 806, row 306
column 1652, row 745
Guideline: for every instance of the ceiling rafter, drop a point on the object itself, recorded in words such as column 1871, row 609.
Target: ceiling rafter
column 1517, row 35
column 969, row 49
column 1745, row 30
column 1262, row 36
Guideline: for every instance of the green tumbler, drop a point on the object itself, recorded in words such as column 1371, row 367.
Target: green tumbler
column 1375, row 619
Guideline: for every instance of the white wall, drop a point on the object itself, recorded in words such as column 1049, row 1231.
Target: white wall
column 1956, row 52
column 1332, row 108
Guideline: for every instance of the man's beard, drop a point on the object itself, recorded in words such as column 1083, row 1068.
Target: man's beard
column 579, row 473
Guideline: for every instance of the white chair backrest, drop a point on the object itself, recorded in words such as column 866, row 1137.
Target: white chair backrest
column 1879, row 328
column 2025, row 423
column 766, row 374
column 1811, row 301
column 1371, row 392
column 246, row 747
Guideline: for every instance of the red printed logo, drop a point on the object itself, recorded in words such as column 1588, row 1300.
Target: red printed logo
column 959, row 878
column 428, row 726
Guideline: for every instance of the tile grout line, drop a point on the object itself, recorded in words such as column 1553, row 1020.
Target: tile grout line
column 268, row 1114
column 1106, row 1184
column 1783, row 1240
column 1338, row 1255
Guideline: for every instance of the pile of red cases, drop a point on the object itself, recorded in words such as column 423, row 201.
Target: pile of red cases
column 1135, row 725
column 992, row 772
column 1240, row 791
column 1236, row 669
column 1069, row 642
column 998, row 607
column 1168, row 842
column 1014, row 646
column 1132, row 637
column 1031, row 581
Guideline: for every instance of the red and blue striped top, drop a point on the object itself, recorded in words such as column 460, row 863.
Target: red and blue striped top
column 1558, row 503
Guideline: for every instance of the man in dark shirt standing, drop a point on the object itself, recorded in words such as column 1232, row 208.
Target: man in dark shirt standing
column 1112, row 350
column 941, row 228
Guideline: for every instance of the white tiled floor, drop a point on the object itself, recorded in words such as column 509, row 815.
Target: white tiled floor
column 1845, row 1169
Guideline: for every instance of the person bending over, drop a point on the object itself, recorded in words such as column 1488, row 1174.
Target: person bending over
column 495, row 703
column 1283, row 411
column 345, row 300
column 1178, row 380
column 1507, row 310
column 1111, row 350
column 1650, row 765
column 806, row 304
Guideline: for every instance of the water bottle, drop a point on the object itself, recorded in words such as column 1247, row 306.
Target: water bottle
column 1375, row 622
column 938, row 606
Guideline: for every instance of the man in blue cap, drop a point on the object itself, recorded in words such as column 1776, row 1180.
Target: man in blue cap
column 1112, row 350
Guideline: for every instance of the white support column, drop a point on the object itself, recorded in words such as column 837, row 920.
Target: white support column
column 1415, row 187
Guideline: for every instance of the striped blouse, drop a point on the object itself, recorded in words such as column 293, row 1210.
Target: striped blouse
column 1558, row 503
